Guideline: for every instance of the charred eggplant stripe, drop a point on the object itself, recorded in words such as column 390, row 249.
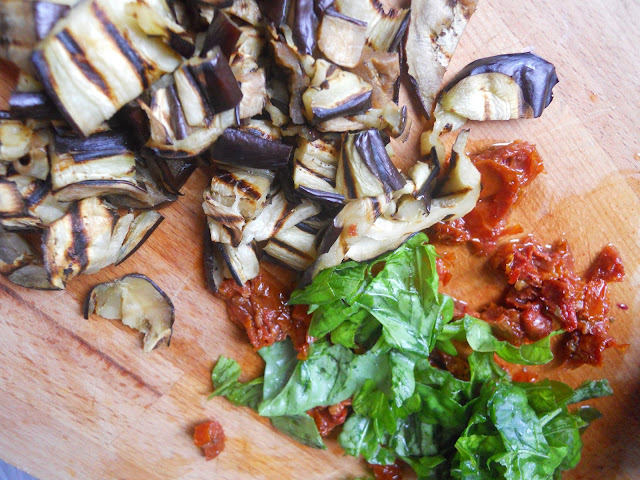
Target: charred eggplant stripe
column 38, row 194
column 51, row 87
column 289, row 248
column 225, row 220
column 178, row 120
column 352, row 106
column 330, row 181
column 283, row 218
column 349, row 178
column 141, row 66
column 81, row 157
column 78, row 250
column 242, row 185
column 375, row 204
column 81, row 61
column 370, row 146
column 201, row 95
column 307, row 228
column 227, row 260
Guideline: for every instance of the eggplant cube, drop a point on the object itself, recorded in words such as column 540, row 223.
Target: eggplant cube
column 341, row 38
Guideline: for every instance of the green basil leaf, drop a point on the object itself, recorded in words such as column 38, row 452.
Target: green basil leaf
column 301, row 428
column 591, row 389
column 225, row 376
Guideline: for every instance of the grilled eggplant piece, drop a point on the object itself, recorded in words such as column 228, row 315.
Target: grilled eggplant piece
column 245, row 148
column 315, row 165
column 17, row 33
column 305, row 26
column 15, row 252
column 139, row 231
column 241, row 262
column 47, row 14
column 139, row 303
column 335, row 93
column 434, row 32
column 295, row 247
column 33, row 276
column 36, row 162
column 213, row 263
column 95, row 60
column 341, row 38
column 365, row 169
column 15, row 140
column 503, row 87
column 172, row 173
column 79, row 240
column 254, row 93
column 368, row 227
column 246, row 10
column 11, row 202
column 222, row 32
column 289, row 59
column 41, row 206
column 384, row 29
column 235, row 196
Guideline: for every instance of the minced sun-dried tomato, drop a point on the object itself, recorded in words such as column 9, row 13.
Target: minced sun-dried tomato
column 387, row 472
column 328, row 418
column 210, row 437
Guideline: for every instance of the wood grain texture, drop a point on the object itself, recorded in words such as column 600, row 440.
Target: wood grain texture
column 79, row 399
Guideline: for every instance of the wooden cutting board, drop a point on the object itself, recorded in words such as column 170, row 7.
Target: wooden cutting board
column 79, row 399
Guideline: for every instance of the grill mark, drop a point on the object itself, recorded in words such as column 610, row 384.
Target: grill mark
column 141, row 65
column 80, row 157
column 283, row 218
column 50, row 85
column 226, row 220
column 348, row 178
column 78, row 251
column 376, row 207
column 80, row 60
column 81, row 341
column 242, row 185
column 289, row 248
column 202, row 99
column 38, row 194
column 307, row 228
column 330, row 181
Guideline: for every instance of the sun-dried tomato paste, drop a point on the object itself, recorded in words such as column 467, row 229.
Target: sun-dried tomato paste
column 260, row 307
column 210, row 437
column 505, row 170
column 328, row 418
column 546, row 294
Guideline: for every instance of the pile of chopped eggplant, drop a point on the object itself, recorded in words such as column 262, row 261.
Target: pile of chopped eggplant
column 291, row 107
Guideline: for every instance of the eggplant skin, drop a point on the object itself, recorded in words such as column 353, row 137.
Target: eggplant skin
column 535, row 76
column 246, row 149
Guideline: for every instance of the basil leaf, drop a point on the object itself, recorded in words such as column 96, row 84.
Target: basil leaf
column 403, row 382
column 301, row 428
column 547, row 395
column 225, row 376
column 280, row 361
column 591, row 389
column 359, row 438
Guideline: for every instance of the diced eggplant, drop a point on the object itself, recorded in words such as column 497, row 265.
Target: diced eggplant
column 216, row 80
column 246, row 10
column 15, row 252
column 36, row 105
column 79, row 240
column 195, row 104
column 149, row 195
column 254, row 93
column 365, row 169
column 42, row 207
column 217, row 3
column 304, row 26
column 434, row 32
column 288, row 58
column 95, row 60
column 11, row 202
column 173, row 174
column 139, row 231
column 47, row 14
column 36, row 162
column 213, row 262
column 424, row 176
column 368, row 227
column 384, row 29
column 246, row 149
column 17, row 33
column 315, row 165
column 223, row 32
column 139, row 303
column 15, row 140
column 249, row 47
column 341, row 38
column 295, row 247
column 277, row 215
column 134, row 121
column 241, row 261
column 335, row 93
column 33, row 276
column 503, row 87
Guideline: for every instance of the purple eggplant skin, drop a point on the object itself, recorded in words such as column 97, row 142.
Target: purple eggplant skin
column 355, row 106
column 36, row 105
column 371, row 149
column 305, row 26
column 45, row 16
column 222, row 32
column 275, row 10
column 217, row 81
column 178, row 121
column 134, row 121
column 238, row 147
column 535, row 76
column 181, row 45
column 320, row 196
column 94, row 146
column 425, row 192
column 211, row 262
column 321, row 6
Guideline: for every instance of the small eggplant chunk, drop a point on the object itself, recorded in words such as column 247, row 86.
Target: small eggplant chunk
column 296, row 247
column 15, row 140
column 315, row 164
column 434, row 32
column 365, row 169
column 241, row 262
column 15, row 252
column 140, row 230
column 503, row 87
column 222, row 32
column 341, row 38
column 46, row 15
column 247, row 149
column 384, row 29
column 138, row 303
column 335, row 93
column 36, row 105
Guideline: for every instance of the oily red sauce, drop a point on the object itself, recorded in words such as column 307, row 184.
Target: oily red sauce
column 328, row 418
column 210, row 437
column 387, row 472
column 505, row 170
column 260, row 307
column 546, row 294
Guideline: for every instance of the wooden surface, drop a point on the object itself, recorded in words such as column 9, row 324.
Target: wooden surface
column 79, row 399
